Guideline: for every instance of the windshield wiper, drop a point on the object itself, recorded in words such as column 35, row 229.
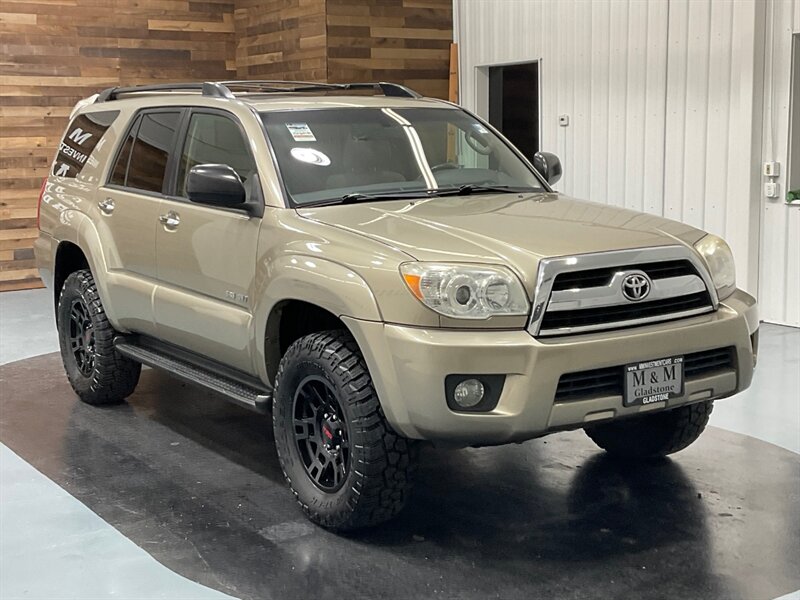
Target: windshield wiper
column 359, row 197
column 464, row 190
column 471, row 188
column 356, row 197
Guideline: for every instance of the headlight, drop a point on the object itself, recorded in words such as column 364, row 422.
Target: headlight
column 719, row 258
column 466, row 291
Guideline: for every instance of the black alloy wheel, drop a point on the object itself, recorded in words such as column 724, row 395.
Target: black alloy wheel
column 321, row 435
column 97, row 373
column 345, row 465
column 81, row 337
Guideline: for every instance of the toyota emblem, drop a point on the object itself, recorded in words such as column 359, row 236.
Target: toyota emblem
column 636, row 286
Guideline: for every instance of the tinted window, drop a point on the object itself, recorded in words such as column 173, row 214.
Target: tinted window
column 148, row 163
column 81, row 138
column 214, row 139
column 121, row 165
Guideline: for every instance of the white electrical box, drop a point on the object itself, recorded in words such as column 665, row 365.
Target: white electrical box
column 772, row 169
column 563, row 120
column 771, row 189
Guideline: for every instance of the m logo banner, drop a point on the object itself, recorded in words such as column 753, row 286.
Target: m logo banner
column 80, row 140
column 78, row 136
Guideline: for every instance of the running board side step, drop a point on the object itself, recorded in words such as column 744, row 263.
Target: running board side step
column 253, row 396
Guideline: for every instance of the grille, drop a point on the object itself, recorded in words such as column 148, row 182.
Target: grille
column 610, row 381
column 625, row 312
column 585, row 293
column 602, row 277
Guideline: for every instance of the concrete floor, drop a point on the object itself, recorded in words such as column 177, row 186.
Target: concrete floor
column 43, row 526
column 89, row 523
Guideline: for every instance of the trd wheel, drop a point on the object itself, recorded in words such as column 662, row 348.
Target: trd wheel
column 97, row 373
column 320, row 433
column 653, row 435
column 345, row 465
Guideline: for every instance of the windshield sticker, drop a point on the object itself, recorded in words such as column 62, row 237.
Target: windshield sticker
column 310, row 156
column 301, row 132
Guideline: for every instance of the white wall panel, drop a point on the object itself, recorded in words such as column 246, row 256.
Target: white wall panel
column 596, row 66
column 665, row 100
column 780, row 255
column 712, row 123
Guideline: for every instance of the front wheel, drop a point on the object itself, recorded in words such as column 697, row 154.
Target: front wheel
column 345, row 465
column 653, row 435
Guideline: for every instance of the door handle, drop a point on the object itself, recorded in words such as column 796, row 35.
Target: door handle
column 106, row 206
column 171, row 220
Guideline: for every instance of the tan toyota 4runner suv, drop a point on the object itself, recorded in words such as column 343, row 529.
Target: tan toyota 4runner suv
column 375, row 268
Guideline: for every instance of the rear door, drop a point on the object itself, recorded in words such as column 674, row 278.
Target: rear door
column 206, row 255
column 129, row 205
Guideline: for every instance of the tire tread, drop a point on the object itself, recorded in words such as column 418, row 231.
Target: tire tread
column 115, row 376
column 384, row 477
column 653, row 435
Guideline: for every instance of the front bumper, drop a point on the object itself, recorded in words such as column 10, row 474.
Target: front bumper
column 409, row 366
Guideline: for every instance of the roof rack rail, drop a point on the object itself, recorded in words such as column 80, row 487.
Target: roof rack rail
column 222, row 89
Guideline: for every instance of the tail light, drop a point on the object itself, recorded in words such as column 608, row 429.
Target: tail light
column 39, row 205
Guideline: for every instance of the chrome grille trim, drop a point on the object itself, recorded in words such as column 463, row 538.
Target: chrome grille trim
column 546, row 300
column 611, row 294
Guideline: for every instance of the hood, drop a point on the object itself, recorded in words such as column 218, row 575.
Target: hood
column 508, row 229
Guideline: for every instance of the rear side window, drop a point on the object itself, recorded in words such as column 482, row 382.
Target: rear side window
column 120, row 171
column 81, row 138
column 142, row 161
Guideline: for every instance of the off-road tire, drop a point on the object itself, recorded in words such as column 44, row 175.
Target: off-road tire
column 381, row 463
column 653, row 435
column 113, row 377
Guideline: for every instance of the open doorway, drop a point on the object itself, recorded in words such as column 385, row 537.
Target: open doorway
column 514, row 104
column 793, row 172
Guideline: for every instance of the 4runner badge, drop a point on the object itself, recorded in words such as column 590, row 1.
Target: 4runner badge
column 236, row 297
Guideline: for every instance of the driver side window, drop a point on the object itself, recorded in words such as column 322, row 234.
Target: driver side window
column 215, row 139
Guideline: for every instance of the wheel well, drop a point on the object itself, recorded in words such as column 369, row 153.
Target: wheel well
column 69, row 258
column 289, row 321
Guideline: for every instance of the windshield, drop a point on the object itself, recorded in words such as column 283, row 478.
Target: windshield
column 330, row 155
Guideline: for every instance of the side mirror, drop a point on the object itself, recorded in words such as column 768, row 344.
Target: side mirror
column 548, row 165
column 217, row 185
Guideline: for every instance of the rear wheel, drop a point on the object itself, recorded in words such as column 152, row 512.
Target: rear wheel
column 97, row 373
column 344, row 463
column 653, row 435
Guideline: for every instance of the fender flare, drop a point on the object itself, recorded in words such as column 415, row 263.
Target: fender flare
column 315, row 280
column 78, row 229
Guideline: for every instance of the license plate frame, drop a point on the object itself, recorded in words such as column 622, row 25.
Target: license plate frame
column 652, row 381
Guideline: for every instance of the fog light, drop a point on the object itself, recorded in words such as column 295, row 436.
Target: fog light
column 468, row 393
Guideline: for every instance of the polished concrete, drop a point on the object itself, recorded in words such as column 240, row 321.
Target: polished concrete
column 192, row 482
column 770, row 408
column 195, row 482
column 55, row 547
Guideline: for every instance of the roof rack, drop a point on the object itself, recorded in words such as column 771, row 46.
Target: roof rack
column 222, row 89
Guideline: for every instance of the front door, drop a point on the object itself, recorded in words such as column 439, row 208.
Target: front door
column 206, row 255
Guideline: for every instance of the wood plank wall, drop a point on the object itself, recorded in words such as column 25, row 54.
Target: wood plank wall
column 404, row 41
column 281, row 39
column 55, row 52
